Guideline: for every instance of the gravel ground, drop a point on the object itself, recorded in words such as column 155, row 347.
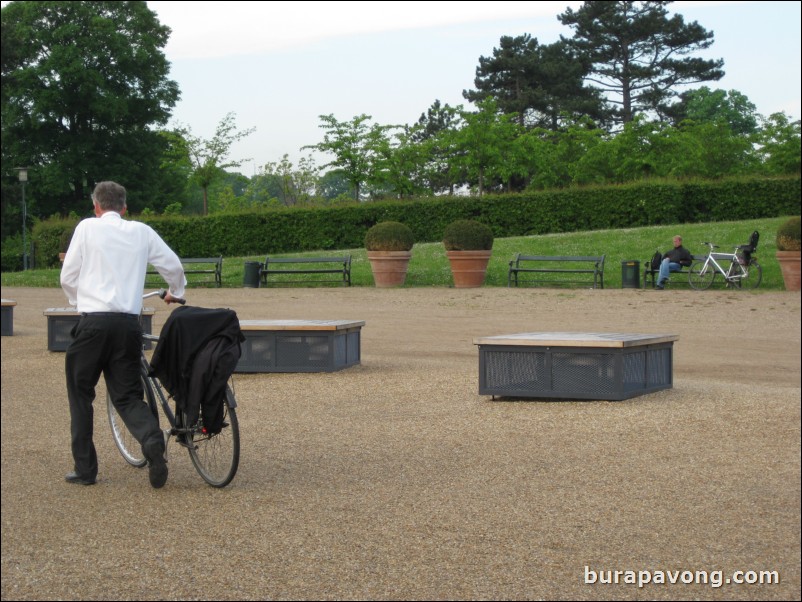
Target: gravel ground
column 394, row 479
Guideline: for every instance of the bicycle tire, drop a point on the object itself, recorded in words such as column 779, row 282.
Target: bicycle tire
column 701, row 276
column 754, row 276
column 216, row 457
column 130, row 448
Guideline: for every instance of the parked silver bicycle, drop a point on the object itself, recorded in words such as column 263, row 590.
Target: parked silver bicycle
column 215, row 456
column 739, row 269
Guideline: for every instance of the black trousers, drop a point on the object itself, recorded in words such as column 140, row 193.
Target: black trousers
column 110, row 344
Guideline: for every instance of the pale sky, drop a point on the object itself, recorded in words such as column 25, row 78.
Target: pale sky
column 279, row 65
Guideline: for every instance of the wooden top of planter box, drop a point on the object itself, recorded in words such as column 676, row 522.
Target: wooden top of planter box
column 71, row 311
column 300, row 324
column 9, row 303
column 577, row 339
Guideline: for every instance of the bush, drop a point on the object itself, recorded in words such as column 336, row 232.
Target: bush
column 389, row 236
column 788, row 235
column 289, row 230
column 11, row 257
column 52, row 237
column 467, row 235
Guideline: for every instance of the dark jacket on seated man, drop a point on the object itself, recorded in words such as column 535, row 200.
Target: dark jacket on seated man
column 673, row 261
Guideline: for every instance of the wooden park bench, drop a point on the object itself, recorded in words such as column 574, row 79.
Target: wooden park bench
column 284, row 266
column 212, row 265
column 549, row 264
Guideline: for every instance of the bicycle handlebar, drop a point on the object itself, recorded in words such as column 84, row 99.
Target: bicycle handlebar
column 162, row 293
column 712, row 246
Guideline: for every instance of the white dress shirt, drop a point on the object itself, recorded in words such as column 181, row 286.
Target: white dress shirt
column 104, row 269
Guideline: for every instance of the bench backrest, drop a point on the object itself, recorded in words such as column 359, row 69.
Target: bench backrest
column 202, row 259
column 685, row 267
column 594, row 259
column 344, row 260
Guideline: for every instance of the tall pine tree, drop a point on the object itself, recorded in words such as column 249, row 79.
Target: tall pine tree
column 639, row 55
column 541, row 84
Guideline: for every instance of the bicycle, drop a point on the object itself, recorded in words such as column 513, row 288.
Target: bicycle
column 214, row 456
column 743, row 270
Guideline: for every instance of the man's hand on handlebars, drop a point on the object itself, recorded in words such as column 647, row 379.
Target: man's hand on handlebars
column 168, row 298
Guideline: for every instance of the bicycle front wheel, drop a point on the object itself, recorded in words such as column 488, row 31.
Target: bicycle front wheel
column 701, row 275
column 129, row 447
column 216, row 457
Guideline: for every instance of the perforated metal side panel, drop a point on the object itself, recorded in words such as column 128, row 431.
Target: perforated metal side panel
column 58, row 331
column 8, row 321
column 258, row 354
column 294, row 351
column 659, row 361
column 580, row 373
column 308, row 351
column 634, row 371
column 510, row 372
column 353, row 352
column 584, row 373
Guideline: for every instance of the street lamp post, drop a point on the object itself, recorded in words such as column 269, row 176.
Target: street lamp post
column 22, row 173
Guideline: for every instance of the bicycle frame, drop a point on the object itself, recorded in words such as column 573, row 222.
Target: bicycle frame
column 214, row 455
column 735, row 274
column 163, row 399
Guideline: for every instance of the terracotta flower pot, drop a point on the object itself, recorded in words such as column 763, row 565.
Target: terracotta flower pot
column 789, row 264
column 389, row 267
column 468, row 267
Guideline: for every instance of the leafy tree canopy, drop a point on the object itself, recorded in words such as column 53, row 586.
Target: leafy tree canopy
column 209, row 158
column 639, row 55
column 355, row 145
column 84, row 84
column 704, row 105
column 540, row 83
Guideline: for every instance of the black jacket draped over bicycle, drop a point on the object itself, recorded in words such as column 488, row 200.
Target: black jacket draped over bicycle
column 197, row 352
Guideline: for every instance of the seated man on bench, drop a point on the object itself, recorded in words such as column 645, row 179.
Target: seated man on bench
column 673, row 261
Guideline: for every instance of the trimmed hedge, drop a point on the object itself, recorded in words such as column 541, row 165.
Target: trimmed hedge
column 541, row 212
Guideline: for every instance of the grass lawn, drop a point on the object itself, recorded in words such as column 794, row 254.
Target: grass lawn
column 429, row 265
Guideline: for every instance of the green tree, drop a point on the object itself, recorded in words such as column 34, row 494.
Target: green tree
column 485, row 145
column 83, row 85
column 355, row 144
column 541, row 84
column 399, row 167
column 557, row 159
column 639, row 54
column 333, row 185
column 779, row 144
column 175, row 171
column 704, row 105
column 209, row 158
column 434, row 132
column 296, row 185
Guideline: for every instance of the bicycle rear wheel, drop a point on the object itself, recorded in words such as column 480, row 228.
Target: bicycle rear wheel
column 129, row 447
column 752, row 276
column 701, row 275
column 216, row 457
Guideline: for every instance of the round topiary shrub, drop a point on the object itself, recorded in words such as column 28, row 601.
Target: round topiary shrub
column 389, row 236
column 788, row 235
column 467, row 235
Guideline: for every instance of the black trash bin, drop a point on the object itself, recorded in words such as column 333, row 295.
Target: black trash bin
column 252, row 275
column 630, row 274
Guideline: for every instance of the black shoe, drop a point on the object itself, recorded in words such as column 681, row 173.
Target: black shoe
column 157, row 468
column 77, row 479
column 158, row 473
